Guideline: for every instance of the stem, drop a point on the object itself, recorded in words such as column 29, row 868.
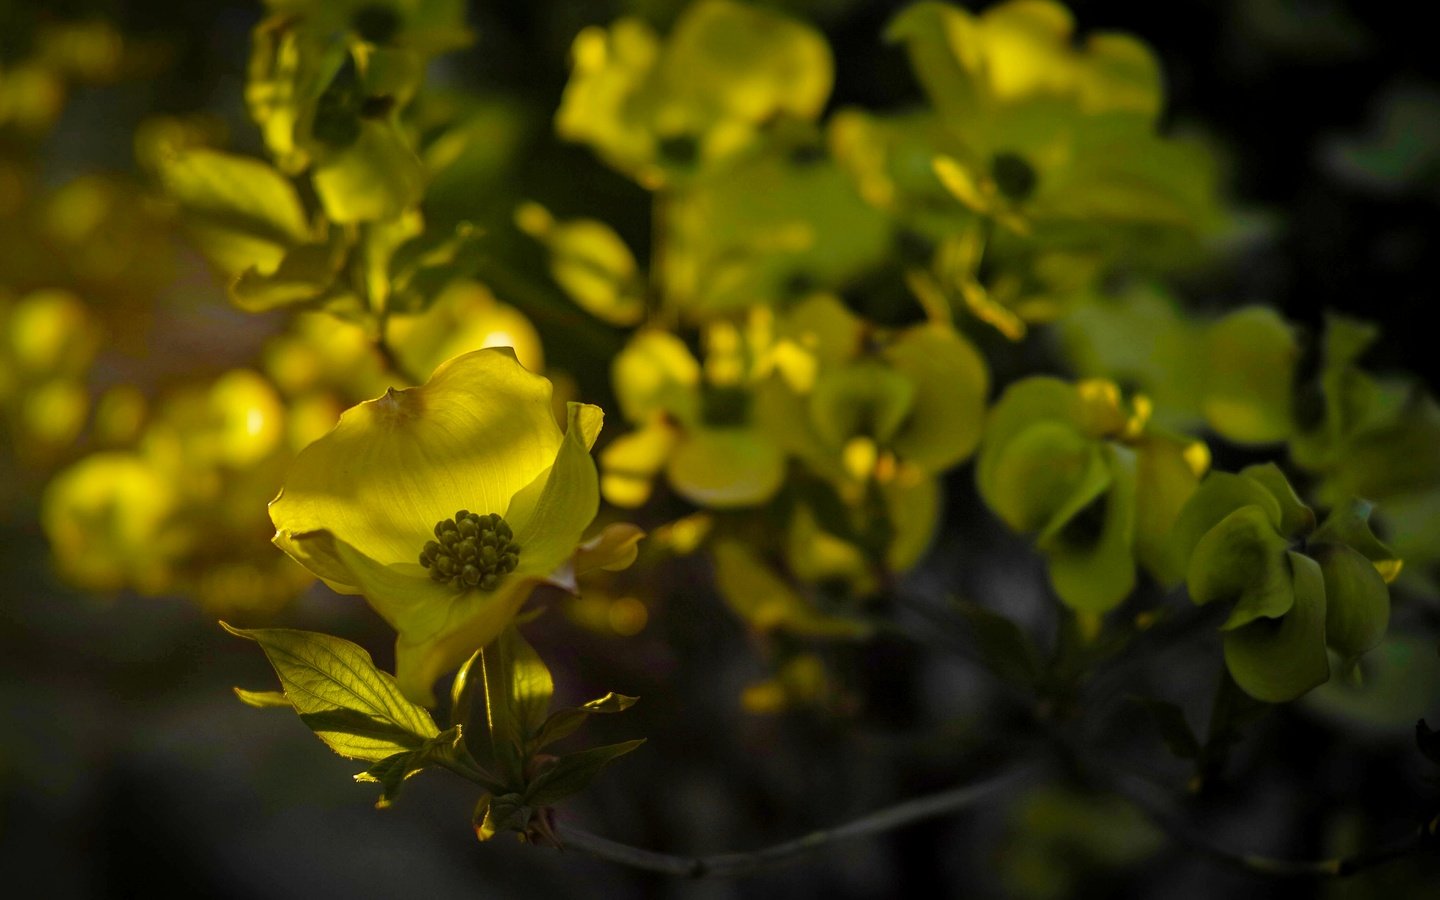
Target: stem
column 729, row 865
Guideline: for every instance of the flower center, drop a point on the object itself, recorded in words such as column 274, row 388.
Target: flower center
column 1013, row 175
column 377, row 24
column 471, row 550
column 679, row 149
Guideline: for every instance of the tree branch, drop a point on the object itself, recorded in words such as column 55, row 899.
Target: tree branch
column 729, row 865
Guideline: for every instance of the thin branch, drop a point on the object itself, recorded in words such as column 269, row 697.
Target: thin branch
column 1169, row 820
column 729, row 865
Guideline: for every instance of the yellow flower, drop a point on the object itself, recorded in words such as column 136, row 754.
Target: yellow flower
column 1082, row 470
column 48, row 341
column 428, row 26
column 107, row 518
column 694, row 422
column 854, row 401
column 665, row 111
column 178, row 509
column 464, row 316
column 445, row 505
column 1043, row 131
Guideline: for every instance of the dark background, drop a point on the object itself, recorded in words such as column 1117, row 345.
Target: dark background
column 126, row 766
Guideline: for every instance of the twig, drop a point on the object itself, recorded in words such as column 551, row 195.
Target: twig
column 729, row 865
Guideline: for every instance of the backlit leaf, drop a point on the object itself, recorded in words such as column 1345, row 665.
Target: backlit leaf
column 563, row 722
column 352, row 706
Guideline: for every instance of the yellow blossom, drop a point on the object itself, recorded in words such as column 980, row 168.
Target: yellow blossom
column 371, row 507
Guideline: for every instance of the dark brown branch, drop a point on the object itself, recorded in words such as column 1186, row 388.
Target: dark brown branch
column 729, row 865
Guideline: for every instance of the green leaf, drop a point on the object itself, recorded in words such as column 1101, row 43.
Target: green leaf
column 563, row 722
column 1296, row 518
column 243, row 213
column 1169, row 720
column 306, row 274
column 1357, row 601
column 518, row 689
column 393, row 771
column 931, row 33
column 352, row 706
column 1279, row 660
column 573, row 772
column 1031, row 400
column 1096, row 479
column 378, row 176
column 1005, row 648
column 1022, row 406
column 423, row 266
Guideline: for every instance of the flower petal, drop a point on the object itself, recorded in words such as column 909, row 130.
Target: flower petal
column 656, row 373
column 724, row 468
column 951, row 383
column 315, row 550
column 471, row 621
column 550, row 514
column 437, row 626
column 630, row 463
column 1092, row 572
column 1047, row 469
column 613, row 549
column 1024, row 403
column 1278, row 660
column 472, row 436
